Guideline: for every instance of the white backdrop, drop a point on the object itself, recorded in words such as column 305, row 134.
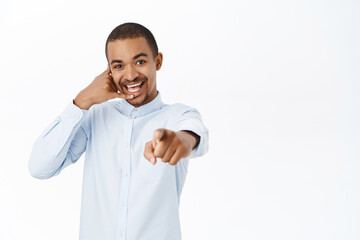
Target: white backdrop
column 277, row 84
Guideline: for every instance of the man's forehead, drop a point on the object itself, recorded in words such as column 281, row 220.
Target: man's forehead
column 128, row 47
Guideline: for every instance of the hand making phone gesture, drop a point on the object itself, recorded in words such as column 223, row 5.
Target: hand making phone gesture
column 100, row 90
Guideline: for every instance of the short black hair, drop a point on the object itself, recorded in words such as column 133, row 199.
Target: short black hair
column 132, row 30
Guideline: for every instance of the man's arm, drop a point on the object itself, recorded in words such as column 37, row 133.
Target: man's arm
column 170, row 146
column 60, row 144
column 64, row 141
column 190, row 140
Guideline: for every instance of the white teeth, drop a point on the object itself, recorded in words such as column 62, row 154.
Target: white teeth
column 135, row 85
column 132, row 90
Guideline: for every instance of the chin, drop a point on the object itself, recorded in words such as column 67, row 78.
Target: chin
column 138, row 101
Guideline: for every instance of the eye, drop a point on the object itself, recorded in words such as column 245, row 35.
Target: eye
column 140, row 62
column 118, row 66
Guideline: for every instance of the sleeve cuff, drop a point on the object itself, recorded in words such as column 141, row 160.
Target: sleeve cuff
column 72, row 113
column 197, row 128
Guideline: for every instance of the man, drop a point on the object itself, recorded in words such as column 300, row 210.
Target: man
column 137, row 148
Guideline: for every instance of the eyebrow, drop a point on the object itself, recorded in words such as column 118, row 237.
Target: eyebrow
column 135, row 57
column 140, row 55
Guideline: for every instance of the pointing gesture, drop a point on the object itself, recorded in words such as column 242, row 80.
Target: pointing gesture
column 170, row 146
column 100, row 90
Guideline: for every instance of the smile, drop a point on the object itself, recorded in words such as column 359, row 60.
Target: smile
column 135, row 87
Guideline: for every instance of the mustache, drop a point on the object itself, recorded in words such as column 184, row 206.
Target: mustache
column 134, row 81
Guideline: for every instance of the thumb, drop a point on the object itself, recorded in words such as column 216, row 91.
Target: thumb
column 159, row 135
column 121, row 95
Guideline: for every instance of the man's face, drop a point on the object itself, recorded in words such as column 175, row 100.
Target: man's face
column 133, row 68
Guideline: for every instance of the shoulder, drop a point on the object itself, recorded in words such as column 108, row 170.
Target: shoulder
column 181, row 111
column 180, row 108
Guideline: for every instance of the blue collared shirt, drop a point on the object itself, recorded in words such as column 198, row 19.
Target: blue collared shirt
column 124, row 196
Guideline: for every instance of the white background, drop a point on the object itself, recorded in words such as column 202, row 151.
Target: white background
column 277, row 84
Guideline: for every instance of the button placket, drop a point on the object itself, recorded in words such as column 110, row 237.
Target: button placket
column 125, row 181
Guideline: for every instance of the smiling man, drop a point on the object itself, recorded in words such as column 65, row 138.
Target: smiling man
column 137, row 148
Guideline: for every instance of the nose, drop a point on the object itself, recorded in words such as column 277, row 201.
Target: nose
column 130, row 73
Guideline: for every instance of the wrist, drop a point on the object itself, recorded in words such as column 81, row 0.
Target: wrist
column 81, row 104
column 193, row 138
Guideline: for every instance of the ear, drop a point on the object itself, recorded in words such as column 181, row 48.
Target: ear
column 158, row 61
column 109, row 69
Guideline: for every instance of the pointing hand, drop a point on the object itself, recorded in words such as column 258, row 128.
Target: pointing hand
column 170, row 146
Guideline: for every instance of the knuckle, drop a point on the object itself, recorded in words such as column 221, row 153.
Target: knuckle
column 170, row 133
column 177, row 140
column 147, row 155
column 173, row 161
column 158, row 131
column 158, row 153
column 147, row 146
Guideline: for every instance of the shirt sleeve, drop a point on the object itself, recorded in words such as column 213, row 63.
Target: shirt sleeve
column 60, row 144
column 190, row 120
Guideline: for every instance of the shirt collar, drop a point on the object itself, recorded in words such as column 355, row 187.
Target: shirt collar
column 129, row 110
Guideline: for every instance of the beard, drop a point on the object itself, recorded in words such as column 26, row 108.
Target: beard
column 139, row 102
column 147, row 91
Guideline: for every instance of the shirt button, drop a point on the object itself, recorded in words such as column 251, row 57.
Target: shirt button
column 126, row 144
column 123, row 203
column 135, row 110
column 130, row 117
column 121, row 234
column 126, row 174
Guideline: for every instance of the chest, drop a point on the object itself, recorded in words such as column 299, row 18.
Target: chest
column 118, row 141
